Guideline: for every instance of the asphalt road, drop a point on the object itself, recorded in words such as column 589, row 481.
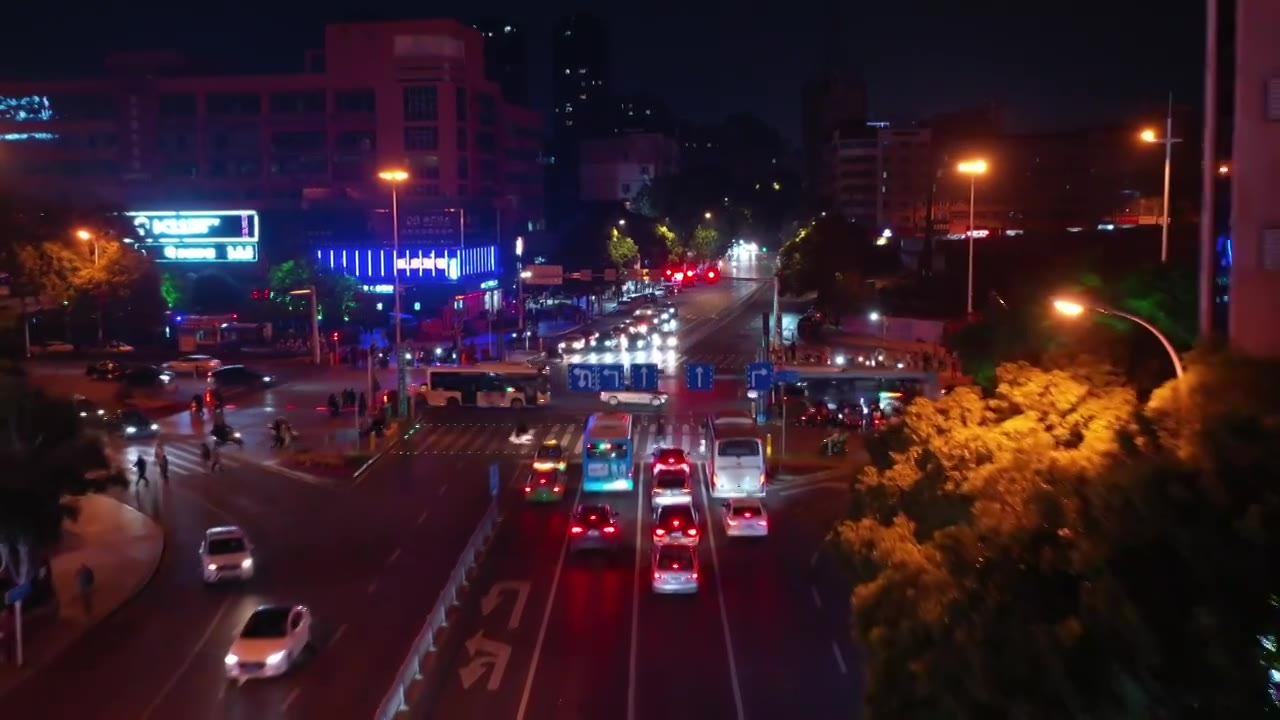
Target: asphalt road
column 369, row 559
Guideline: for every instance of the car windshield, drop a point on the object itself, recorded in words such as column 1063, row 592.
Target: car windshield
column 226, row 546
column 593, row 515
column 675, row 557
column 669, row 480
column 746, row 510
column 270, row 622
column 551, row 452
column 738, row 448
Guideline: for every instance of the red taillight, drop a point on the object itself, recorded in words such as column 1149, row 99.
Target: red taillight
column 576, row 529
column 657, row 576
column 675, row 523
column 659, row 532
column 762, row 522
column 528, row 489
column 746, row 515
column 555, row 489
column 675, row 566
column 543, row 481
column 692, row 531
column 695, row 576
column 609, row 529
column 591, row 517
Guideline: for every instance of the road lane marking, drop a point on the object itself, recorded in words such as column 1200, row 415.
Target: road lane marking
column 338, row 634
column 423, row 517
column 635, row 601
column 292, row 696
column 546, row 617
column 817, row 599
column 186, row 664
column 392, row 558
column 724, row 612
column 835, row 650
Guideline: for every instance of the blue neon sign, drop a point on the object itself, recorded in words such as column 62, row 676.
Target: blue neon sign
column 427, row 263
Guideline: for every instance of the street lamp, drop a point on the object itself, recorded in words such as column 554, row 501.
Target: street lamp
column 315, row 321
column 972, row 168
column 89, row 237
column 876, row 317
column 1071, row 308
column 395, row 177
column 706, row 215
column 1168, row 140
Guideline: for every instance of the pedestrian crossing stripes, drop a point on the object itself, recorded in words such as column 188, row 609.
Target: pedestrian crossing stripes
column 724, row 363
column 183, row 455
column 483, row 439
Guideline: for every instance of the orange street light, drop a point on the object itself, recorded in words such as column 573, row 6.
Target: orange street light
column 1224, row 169
column 1149, row 135
column 972, row 168
column 394, row 176
column 1071, row 308
column 84, row 234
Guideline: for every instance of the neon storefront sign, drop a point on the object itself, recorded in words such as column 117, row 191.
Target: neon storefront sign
column 182, row 236
column 378, row 266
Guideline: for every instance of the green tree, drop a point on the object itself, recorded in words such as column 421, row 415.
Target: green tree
column 622, row 249
column 705, row 244
column 337, row 293
column 675, row 251
column 835, row 259
column 47, row 458
column 174, row 289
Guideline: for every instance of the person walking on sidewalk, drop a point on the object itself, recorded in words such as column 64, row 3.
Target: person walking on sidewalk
column 141, row 466
column 162, row 460
column 84, row 581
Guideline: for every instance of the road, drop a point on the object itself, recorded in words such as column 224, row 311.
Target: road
column 761, row 639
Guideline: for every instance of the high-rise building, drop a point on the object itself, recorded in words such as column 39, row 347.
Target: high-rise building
column 580, row 77
column 506, row 58
column 616, row 168
column 834, row 101
column 640, row 113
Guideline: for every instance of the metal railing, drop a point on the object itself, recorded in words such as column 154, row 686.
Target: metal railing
column 411, row 670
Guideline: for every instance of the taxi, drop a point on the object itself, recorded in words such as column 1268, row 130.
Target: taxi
column 550, row 457
column 544, row 486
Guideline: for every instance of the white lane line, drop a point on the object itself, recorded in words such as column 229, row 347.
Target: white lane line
column 635, row 601
column 835, row 650
column 423, row 517
column 338, row 634
column 186, row 664
column 292, row 696
column 817, row 599
column 546, row 619
column 392, row 558
column 724, row 612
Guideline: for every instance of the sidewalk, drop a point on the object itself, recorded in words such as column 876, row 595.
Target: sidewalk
column 122, row 546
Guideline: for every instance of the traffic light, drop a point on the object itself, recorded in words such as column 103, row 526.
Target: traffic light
column 260, row 294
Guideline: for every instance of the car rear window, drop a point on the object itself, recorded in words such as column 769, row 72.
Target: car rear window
column 684, row 515
column 738, row 448
column 743, row 510
column 593, row 516
column 669, row 480
column 607, row 451
column 675, row 557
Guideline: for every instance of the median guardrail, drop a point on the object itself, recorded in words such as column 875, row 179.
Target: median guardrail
column 425, row 644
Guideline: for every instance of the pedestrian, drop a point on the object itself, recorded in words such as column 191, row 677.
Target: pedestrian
column 84, row 581
column 215, row 459
column 362, row 406
column 206, row 455
column 162, row 460
column 141, row 466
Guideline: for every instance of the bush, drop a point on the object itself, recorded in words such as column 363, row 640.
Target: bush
column 330, row 459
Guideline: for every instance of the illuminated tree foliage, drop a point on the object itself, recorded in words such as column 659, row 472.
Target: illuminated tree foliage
column 675, row 251
column 622, row 249
column 1048, row 552
column 705, row 244
column 336, row 293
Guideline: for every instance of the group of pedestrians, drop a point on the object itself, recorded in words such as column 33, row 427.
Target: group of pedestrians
column 210, row 454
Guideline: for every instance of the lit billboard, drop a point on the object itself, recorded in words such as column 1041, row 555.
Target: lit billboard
column 430, row 264
column 185, row 236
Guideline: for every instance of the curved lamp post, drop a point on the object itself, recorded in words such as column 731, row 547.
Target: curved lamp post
column 1071, row 308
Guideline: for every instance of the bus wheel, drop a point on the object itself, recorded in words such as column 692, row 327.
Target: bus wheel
column 613, row 401
column 453, row 402
column 517, row 403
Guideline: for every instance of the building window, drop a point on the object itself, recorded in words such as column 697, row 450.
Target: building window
column 485, row 142
column 310, row 102
column 462, row 139
column 177, row 105
column 233, row 104
column 422, row 137
column 297, row 141
column 354, row 141
column 420, row 104
column 464, row 168
column 425, row 166
column 461, row 97
column 354, row 101
column 487, row 110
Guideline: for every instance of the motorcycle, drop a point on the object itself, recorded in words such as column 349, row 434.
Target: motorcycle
column 228, row 435
column 835, row 445
column 524, row 439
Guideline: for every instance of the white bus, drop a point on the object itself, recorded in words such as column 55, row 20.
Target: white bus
column 735, row 455
column 510, row 385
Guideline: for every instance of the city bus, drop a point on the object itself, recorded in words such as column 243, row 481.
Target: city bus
column 735, row 455
column 510, row 385
column 607, row 464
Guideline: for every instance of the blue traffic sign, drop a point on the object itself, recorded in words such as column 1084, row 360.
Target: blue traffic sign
column 789, row 377
column 760, row 375
column 644, row 376
column 699, row 376
column 17, row 593
column 594, row 378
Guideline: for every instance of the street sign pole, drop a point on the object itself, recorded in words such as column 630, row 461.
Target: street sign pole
column 17, row 630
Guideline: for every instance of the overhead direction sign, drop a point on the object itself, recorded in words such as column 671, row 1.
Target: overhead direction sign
column 644, row 376
column 699, row 376
column 786, row 376
column 760, row 375
column 595, row 378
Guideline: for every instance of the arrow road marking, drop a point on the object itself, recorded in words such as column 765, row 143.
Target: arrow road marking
column 495, row 655
column 491, row 600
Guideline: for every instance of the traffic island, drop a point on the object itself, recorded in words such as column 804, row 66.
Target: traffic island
column 327, row 463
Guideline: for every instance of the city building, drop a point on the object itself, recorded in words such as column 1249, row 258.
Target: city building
column 506, row 59
column 301, row 151
column 906, row 172
column 833, row 101
column 849, row 179
column 1254, row 248
column 639, row 113
column 615, row 168
column 581, row 106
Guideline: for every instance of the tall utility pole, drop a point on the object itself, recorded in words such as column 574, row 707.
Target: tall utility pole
column 1209, row 161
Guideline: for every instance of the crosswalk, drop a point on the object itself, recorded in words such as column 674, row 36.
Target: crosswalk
column 484, row 439
column 184, row 457
column 724, row 362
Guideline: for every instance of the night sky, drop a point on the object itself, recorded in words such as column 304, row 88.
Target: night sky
column 1086, row 62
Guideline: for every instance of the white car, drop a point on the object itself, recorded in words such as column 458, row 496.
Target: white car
column 52, row 347
column 573, row 342
column 633, row 397
column 745, row 517
column 193, row 364
column 675, row 570
column 115, row 346
column 272, row 639
column 226, row 554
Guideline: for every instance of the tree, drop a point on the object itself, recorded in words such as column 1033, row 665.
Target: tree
column 47, row 458
column 1040, row 552
column 337, row 293
column 833, row 258
column 675, row 251
column 622, row 249
column 705, row 244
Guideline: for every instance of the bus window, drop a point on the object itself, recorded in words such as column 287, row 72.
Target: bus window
column 606, row 451
column 738, row 448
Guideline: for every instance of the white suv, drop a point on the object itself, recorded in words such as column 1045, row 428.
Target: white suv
column 226, row 554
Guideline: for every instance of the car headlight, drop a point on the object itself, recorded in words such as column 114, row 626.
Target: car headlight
column 671, row 341
column 246, row 563
column 275, row 657
column 155, row 426
column 210, row 567
column 266, row 379
column 230, row 659
column 130, row 430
